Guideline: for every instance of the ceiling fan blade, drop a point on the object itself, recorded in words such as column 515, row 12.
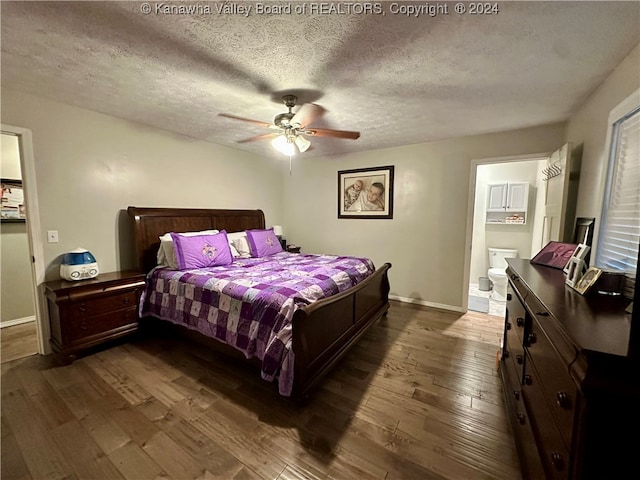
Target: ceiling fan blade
column 256, row 122
column 258, row 137
column 307, row 114
column 324, row 132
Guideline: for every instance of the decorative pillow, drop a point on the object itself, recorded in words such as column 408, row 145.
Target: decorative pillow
column 234, row 251
column 202, row 251
column 166, row 256
column 263, row 242
column 238, row 240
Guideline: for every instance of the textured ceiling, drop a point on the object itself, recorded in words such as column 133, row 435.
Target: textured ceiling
column 397, row 79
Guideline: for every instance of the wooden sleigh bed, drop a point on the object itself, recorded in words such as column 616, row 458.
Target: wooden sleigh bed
column 322, row 332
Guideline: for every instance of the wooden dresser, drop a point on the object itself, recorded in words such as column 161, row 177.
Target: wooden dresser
column 87, row 313
column 571, row 378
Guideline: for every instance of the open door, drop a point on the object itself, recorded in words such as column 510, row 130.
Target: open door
column 561, row 177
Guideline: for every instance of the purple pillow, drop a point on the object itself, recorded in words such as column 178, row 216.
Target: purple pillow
column 263, row 242
column 202, row 250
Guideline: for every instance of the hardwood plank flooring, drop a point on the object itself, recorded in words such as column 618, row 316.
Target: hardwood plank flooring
column 418, row 397
column 18, row 341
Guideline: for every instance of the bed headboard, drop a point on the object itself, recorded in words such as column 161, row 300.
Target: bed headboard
column 150, row 223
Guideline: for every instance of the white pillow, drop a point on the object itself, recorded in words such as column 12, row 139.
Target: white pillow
column 166, row 255
column 239, row 242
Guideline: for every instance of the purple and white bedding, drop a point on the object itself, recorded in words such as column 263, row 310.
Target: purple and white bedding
column 250, row 303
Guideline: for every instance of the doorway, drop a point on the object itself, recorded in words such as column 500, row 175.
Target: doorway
column 501, row 220
column 33, row 267
column 553, row 180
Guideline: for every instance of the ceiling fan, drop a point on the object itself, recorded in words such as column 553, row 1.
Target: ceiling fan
column 293, row 127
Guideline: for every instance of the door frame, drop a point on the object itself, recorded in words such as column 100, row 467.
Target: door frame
column 30, row 189
column 468, row 242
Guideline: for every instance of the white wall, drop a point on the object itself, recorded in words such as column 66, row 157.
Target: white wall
column 90, row 167
column 589, row 127
column 10, row 160
column 425, row 240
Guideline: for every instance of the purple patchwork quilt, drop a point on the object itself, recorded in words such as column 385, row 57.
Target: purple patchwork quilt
column 250, row 303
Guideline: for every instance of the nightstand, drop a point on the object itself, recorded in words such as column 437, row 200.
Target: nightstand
column 293, row 249
column 87, row 313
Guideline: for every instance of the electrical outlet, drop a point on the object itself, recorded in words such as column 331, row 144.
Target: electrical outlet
column 52, row 236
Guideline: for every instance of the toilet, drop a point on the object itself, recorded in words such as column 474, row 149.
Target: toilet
column 497, row 273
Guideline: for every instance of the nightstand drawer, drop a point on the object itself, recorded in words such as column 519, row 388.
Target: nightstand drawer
column 86, row 313
column 101, row 305
column 84, row 327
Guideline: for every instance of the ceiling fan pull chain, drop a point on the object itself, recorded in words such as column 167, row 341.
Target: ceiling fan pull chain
column 290, row 157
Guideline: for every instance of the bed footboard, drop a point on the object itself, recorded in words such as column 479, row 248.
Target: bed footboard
column 324, row 331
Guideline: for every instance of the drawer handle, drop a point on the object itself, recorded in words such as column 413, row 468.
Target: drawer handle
column 562, row 400
column 82, row 307
column 506, row 354
column 532, row 338
column 508, row 325
column 528, row 380
column 543, row 314
column 519, row 359
column 509, row 297
column 516, row 394
column 83, row 326
column 519, row 321
column 556, row 460
column 126, row 301
column 521, row 418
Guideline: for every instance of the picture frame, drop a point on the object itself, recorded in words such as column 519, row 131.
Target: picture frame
column 555, row 255
column 574, row 271
column 590, row 277
column 583, row 233
column 12, row 206
column 579, row 254
column 366, row 193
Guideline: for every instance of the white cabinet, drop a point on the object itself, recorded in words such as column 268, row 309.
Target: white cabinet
column 507, row 203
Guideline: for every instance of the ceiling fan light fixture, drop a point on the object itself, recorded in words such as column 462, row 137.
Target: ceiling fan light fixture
column 283, row 145
column 302, row 143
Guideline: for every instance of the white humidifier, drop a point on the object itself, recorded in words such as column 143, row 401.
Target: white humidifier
column 78, row 264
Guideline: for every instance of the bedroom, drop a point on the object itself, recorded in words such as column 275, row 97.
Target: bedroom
column 110, row 163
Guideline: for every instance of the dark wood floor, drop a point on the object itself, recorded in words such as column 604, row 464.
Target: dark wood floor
column 418, row 398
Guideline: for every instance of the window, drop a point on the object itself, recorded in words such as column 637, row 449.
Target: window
column 619, row 237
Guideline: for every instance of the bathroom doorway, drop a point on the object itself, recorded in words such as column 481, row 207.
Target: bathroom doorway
column 507, row 214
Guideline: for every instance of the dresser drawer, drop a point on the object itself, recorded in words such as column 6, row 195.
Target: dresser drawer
column 519, row 420
column 560, row 391
column 516, row 314
column 81, row 310
column 514, row 352
column 84, row 327
column 551, row 446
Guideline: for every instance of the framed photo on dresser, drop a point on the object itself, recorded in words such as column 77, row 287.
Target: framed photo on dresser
column 589, row 279
column 555, row 255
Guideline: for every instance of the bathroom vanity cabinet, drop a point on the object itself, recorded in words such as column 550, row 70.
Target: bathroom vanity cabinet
column 507, row 202
column 571, row 377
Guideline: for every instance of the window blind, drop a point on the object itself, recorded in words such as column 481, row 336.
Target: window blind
column 620, row 230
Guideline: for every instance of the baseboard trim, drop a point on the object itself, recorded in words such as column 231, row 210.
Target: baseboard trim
column 427, row 304
column 17, row 321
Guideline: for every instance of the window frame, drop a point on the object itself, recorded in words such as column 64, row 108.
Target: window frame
column 623, row 111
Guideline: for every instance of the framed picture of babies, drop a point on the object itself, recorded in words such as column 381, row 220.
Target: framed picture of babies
column 366, row 193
